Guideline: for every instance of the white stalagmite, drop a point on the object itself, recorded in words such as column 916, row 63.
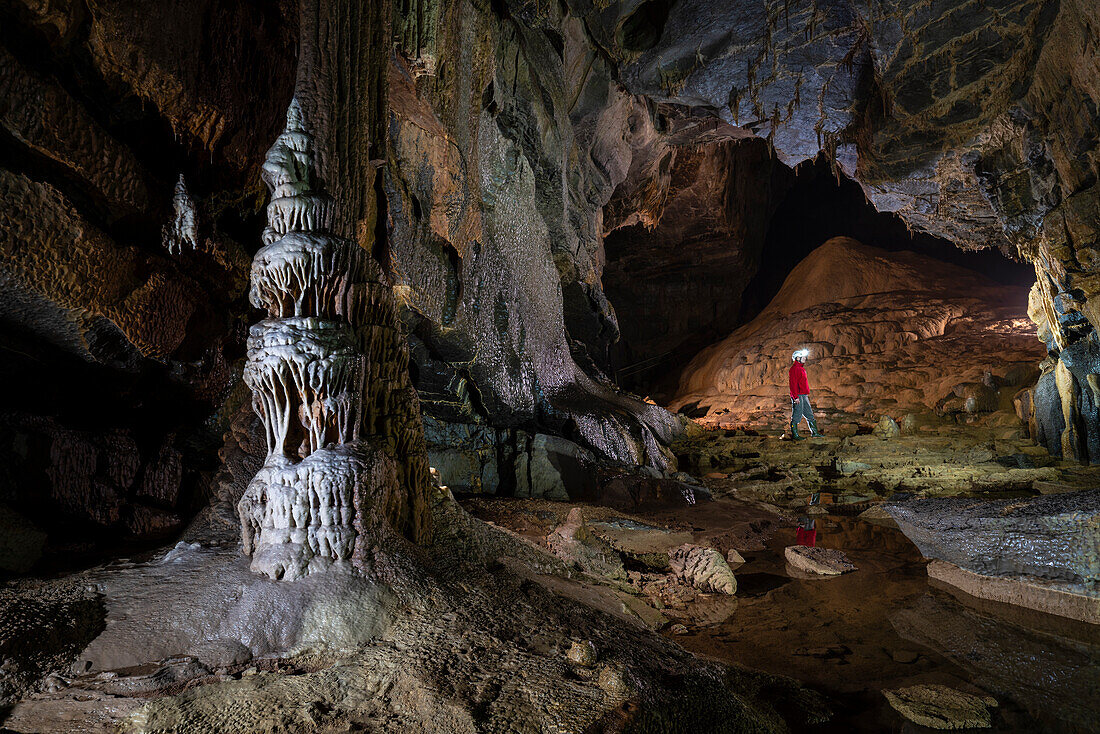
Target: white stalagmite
column 306, row 369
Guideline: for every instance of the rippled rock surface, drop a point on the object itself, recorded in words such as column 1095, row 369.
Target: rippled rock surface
column 1052, row 537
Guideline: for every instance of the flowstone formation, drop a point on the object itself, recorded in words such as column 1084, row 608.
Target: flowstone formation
column 889, row 334
column 329, row 471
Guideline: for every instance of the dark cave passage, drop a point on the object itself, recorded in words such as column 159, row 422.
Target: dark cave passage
column 701, row 281
column 820, row 205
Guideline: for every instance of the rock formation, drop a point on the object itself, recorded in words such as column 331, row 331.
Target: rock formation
column 321, row 368
column 1037, row 552
column 183, row 231
column 940, row 707
column 819, row 561
column 703, row 568
column 1052, row 537
column 887, row 332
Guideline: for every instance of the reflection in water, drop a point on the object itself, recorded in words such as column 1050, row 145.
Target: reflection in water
column 1053, row 671
column 807, row 532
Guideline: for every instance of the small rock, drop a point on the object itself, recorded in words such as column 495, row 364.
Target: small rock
column 905, row 657
column 54, row 683
column 678, row 629
column 611, row 681
column 715, row 475
column 887, row 427
column 827, row 652
column 979, row 455
column 582, row 652
column 703, row 568
column 847, row 468
column 733, row 557
column 820, row 561
column 574, row 542
column 940, row 707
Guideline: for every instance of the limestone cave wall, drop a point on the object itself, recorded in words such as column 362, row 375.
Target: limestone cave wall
column 521, row 170
column 122, row 333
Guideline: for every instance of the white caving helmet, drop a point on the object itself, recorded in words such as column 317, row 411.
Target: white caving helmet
column 803, row 353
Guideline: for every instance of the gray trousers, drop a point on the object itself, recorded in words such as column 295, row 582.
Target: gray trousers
column 801, row 409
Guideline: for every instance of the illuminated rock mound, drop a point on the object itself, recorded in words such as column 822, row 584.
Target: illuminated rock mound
column 889, row 333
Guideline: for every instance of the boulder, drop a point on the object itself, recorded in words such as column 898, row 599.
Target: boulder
column 940, row 707
column 555, row 469
column 848, row 467
column 703, row 568
column 820, row 561
column 643, row 543
column 733, row 558
column 1053, row 536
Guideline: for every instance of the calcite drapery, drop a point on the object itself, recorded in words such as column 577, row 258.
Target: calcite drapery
column 328, row 332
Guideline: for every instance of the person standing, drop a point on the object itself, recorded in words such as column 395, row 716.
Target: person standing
column 800, row 395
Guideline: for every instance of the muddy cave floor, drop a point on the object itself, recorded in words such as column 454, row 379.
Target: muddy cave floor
column 882, row 626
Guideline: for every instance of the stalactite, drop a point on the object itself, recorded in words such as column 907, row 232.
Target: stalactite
column 183, row 231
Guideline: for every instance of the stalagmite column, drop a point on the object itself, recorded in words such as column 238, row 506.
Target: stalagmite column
column 328, row 374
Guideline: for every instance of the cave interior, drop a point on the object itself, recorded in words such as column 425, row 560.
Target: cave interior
column 632, row 366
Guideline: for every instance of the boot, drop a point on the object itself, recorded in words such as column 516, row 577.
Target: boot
column 794, row 432
column 813, row 427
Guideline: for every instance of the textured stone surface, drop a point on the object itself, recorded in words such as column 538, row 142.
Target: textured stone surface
column 43, row 629
column 1072, row 601
column 941, row 707
column 103, row 109
column 703, row 568
column 554, row 468
column 1052, row 536
column 498, row 249
column 457, row 623
column 887, row 332
column 817, row 560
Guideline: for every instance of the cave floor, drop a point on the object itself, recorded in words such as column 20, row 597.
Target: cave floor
column 884, row 626
column 473, row 632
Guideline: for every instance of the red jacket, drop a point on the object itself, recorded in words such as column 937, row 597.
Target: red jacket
column 797, row 377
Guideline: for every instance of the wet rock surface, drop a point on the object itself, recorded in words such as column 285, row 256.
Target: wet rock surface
column 1044, row 663
column 575, row 543
column 940, row 707
column 1053, row 537
column 938, row 462
column 820, row 561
